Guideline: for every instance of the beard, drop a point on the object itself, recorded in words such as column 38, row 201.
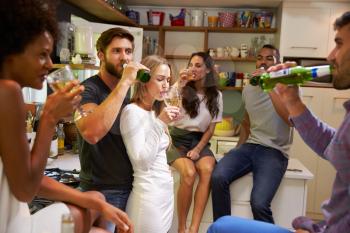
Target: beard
column 341, row 74
column 111, row 68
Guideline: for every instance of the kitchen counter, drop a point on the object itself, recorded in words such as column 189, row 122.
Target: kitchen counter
column 68, row 161
column 291, row 195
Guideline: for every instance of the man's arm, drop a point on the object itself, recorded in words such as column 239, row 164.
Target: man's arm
column 280, row 107
column 245, row 130
column 101, row 117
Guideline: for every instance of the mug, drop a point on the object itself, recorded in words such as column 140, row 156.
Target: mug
column 220, row 52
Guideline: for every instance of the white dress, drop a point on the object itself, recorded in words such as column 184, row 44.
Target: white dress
column 151, row 202
column 15, row 216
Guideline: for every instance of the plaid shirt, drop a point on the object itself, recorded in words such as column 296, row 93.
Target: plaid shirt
column 333, row 146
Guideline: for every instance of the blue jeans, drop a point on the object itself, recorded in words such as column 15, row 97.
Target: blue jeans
column 117, row 198
column 268, row 166
column 230, row 224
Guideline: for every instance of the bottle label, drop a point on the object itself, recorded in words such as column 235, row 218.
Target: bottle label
column 280, row 73
column 320, row 71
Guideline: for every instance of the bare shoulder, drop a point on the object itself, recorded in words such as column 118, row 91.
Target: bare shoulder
column 9, row 87
column 10, row 93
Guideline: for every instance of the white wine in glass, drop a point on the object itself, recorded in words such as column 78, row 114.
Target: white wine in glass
column 173, row 97
column 58, row 80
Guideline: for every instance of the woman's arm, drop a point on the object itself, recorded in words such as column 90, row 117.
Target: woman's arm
column 54, row 190
column 24, row 169
column 194, row 153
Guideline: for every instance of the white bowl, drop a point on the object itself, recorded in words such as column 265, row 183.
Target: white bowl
column 224, row 133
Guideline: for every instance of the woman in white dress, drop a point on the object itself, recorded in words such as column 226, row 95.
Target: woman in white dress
column 144, row 130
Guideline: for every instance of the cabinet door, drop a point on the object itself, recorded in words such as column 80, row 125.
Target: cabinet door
column 302, row 152
column 305, row 32
column 335, row 13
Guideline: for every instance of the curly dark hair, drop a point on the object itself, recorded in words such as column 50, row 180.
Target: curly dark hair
column 190, row 100
column 22, row 21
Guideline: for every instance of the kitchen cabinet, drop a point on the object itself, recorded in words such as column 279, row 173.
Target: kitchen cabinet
column 198, row 39
column 221, row 145
column 307, row 28
column 177, row 43
column 288, row 203
column 304, row 32
column 327, row 104
column 336, row 11
column 102, row 10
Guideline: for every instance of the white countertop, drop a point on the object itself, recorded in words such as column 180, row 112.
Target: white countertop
column 295, row 169
column 70, row 161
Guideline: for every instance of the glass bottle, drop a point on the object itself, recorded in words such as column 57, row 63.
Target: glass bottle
column 142, row 74
column 67, row 223
column 294, row 75
column 60, row 139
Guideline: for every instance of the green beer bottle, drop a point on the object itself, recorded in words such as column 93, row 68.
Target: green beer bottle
column 142, row 74
column 294, row 75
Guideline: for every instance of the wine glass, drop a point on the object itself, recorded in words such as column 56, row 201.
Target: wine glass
column 173, row 97
column 58, row 79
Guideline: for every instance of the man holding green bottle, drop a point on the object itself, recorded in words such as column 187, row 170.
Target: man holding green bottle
column 105, row 165
column 329, row 143
column 262, row 149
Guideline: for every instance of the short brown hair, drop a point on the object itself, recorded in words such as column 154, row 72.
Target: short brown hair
column 107, row 36
column 342, row 20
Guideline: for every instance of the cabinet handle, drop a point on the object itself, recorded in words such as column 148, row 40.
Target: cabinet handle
column 303, row 47
column 341, row 98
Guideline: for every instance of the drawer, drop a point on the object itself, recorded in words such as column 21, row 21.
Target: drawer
column 225, row 146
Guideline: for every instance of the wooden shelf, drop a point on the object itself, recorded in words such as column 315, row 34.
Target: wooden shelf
column 103, row 10
column 231, row 88
column 208, row 29
column 77, row 66
column 233, row 59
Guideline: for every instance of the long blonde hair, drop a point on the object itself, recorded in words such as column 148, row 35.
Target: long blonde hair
column 152, row 62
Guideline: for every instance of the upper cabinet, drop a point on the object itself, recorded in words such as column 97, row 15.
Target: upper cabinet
column 307, row 28
column 102, row 10
column 336, row 12
column 304, row 32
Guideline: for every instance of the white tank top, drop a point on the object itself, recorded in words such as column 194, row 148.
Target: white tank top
column 14, row 215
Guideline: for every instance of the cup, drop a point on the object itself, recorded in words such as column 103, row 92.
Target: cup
column 213, row 21
column 197, row 17
column 220, row 52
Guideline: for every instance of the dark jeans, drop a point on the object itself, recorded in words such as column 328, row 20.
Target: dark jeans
column 119, row 199
column 268, row 166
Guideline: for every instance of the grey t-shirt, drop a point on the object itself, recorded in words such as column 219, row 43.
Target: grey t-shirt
column 267, row 128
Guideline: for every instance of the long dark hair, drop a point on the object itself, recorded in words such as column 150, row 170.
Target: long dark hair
column 190, row 100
